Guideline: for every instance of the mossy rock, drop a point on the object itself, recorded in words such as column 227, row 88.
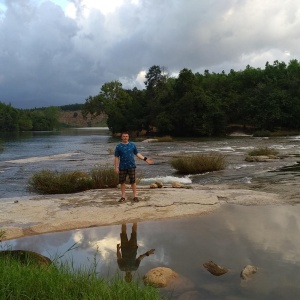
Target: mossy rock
column 26, row 257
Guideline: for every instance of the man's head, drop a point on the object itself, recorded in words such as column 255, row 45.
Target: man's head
column 128, row 276
column 125, row 137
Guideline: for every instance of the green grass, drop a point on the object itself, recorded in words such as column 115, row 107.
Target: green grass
column 104, row 177
column 263, row 151
column 25, row 281
column 199, row 163
column 54, row 182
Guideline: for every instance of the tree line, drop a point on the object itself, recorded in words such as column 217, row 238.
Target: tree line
column 13, row 119
column 195, row 104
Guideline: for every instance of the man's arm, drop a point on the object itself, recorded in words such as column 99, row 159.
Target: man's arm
column 117, row 164
column 148, row 160
column 118, row 251
column 149, row 252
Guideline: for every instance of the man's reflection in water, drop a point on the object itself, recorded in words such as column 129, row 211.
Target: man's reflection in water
column 127, row 260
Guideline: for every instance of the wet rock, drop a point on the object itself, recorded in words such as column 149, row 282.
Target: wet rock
column 160, row 277
column 248, row 272
column 26, row 257
column 176, row 184
column 261, row 158
column 214, row 269
column 153, row 186
column 159, row 184
column 150, row 141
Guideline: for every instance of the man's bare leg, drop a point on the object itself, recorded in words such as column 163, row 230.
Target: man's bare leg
column 133, row 186
column 123, row 189
column 134, row 227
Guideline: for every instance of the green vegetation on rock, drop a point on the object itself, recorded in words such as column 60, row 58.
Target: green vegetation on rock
column 199, row 163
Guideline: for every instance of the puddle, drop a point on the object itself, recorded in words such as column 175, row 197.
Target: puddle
column 233, row 237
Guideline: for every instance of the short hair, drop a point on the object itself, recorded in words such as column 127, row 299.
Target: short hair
column 124, row 132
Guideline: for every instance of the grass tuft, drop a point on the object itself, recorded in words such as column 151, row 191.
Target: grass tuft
column 263, row 151
column 104, row 177
column 199, row 163
column 54, row 182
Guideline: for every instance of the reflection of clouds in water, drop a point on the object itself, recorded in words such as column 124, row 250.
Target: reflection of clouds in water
column 104, row 240
column 42, row 243
column 275, row 229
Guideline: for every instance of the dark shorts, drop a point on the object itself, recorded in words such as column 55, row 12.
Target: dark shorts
column 123, row 174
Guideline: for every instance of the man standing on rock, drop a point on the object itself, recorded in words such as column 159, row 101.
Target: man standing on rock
column 125, row 164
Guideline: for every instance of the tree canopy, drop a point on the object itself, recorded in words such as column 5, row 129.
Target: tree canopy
column 13, row 119
column 195, row 104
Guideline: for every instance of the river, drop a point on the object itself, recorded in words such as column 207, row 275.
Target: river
column 233, row 237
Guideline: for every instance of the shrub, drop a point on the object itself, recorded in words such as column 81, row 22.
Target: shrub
column 263, row 151
column 199, row 163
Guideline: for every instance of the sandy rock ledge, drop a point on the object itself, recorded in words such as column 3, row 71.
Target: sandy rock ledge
column 25, row 216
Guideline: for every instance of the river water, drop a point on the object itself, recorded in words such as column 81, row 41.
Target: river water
column 233, row 237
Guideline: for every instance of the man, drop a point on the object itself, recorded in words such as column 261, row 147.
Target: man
column 125, row 164
column 127, row 252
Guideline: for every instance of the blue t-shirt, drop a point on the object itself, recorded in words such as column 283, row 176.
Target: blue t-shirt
column 126, row 153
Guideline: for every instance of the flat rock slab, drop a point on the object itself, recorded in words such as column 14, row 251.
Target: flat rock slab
column 25, row 216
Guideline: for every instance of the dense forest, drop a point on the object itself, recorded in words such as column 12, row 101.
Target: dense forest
column 13, row 119
column 37, row 119
column 191, row 104
column 195, row 104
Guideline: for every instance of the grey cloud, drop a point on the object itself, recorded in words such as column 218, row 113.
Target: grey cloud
column 47, row 58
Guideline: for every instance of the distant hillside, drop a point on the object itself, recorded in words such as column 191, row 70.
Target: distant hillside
column 75, row 119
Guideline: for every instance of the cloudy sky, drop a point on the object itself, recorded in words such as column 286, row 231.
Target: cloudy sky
column 57, row 52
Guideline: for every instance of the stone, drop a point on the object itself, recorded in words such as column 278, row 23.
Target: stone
column 214, row 269
column 159, row 184
column 176, row 184
column 261, row 158
column 27, row 257
column 153, row 186
column 248, row 272
column 160, row 277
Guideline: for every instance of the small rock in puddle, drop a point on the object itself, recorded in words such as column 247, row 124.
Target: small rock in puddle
column 214, row 269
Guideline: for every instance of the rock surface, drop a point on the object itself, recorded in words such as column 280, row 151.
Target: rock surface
column 215, row 269
column 49, row 213
column 160, row 277
column 248, row 272
column 27, row 257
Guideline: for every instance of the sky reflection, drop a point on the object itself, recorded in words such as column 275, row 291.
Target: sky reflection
column 264, row 236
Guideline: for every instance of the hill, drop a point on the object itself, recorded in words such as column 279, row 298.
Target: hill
column 74, row 118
